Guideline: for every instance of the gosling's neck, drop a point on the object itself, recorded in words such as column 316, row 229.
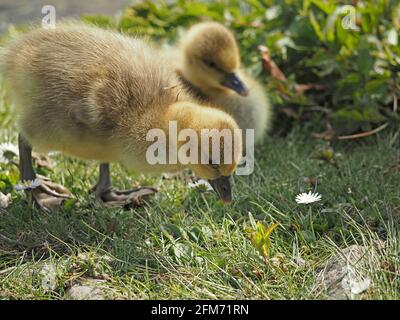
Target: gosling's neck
column 160, row 138
column 178, row 116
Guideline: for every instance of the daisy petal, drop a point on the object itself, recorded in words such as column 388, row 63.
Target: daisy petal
column 307, row 198
column 27, row 185
column 8, row 151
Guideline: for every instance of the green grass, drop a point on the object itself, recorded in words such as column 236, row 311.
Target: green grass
column 185, row 244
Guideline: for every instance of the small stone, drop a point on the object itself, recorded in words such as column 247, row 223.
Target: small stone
column 49, row 277
column 342, row 277
column 90, row 290
column 85, row 293
column 358, row 287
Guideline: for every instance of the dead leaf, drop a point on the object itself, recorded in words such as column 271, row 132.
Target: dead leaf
column 311, row 181
column 295, row 227
column 290, row 113
column 299, row 261
column 392, row 169
column 272, row 68
column 327, row 135
column 325, row 153
column 278, row 261
column 301, row 88
column 42, row 160
column 235, row 271
column 395, row 103
column 258, row 273
column 112, row 226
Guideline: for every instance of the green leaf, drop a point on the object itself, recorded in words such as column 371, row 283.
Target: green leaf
column 316, row 26
column 364, row 60
column 69, row 204
column 260, row 238
column 377, row 86
column 327, row 7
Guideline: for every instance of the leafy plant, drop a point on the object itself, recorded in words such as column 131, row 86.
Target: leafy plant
column 350, row 52
column 260, row 237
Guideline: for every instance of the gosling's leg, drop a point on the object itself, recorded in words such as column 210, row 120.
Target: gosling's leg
column 48, row 195
column 111, row 197
column 25, row 160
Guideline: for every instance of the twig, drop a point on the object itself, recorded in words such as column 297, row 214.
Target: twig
column 364, row 134
column 395, row 103
column 301, row 88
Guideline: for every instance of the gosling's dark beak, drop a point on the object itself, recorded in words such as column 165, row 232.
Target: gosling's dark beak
column 222, row 186
column 233, row 82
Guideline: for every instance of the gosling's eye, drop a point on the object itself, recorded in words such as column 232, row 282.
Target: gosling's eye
column 212, row 165
column 210, row 64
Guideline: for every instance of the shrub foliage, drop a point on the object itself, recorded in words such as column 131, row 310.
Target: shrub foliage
column 349, row 53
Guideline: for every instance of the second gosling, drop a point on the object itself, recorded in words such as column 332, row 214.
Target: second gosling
column 208, row 61
column 95, row 94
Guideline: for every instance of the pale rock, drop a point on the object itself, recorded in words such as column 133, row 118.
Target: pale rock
column 342, row 276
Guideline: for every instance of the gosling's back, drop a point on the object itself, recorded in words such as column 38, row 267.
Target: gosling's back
column 77, row 85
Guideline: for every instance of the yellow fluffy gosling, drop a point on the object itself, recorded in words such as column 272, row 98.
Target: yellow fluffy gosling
column 208, row 61
column 95, row 94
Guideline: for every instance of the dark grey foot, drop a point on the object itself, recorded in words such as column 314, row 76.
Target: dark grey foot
column 111, row 197
column 49, row 196
column 127, row 199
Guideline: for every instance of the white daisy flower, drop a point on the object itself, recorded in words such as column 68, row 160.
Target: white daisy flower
column 28, row 185
column 8, row 151
column 201, row 184
column 307, row 198
column 53, row 154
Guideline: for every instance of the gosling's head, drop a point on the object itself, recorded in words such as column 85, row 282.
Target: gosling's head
column 218, row 144
column 212, row 147
column 211, row 58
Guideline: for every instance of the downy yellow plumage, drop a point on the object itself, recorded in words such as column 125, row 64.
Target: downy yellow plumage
column 94, row 94
column 207, row 59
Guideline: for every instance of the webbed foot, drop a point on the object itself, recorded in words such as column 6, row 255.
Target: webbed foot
column 127, row 199
column 111, row 197
column 40, row 190
column 47, row 195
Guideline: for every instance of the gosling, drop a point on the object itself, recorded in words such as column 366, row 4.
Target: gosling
column 207, row 60
column 94, row 94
